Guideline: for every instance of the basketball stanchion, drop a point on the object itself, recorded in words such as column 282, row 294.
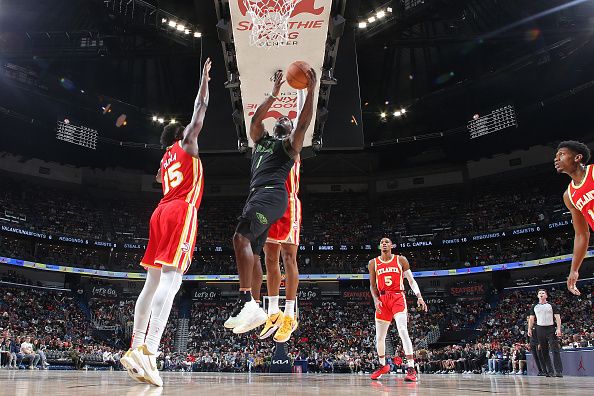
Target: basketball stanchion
column 280, row 362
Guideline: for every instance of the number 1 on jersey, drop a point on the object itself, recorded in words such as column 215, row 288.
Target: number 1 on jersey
column 172, row 177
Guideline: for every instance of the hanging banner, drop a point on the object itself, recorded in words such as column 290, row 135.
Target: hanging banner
column 308, row 28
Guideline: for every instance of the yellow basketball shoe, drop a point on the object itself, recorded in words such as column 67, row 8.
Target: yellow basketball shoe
column 132, row 368
column 148, row 362
column 273, row 323
column 287, row 328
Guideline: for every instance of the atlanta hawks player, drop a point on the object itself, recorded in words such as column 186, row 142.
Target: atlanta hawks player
column 172, row 237
column 283, row 240
column 571, row 158
column 386, row 278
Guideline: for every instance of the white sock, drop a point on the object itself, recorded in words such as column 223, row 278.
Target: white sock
column 161, row 306
column 411, row 363
column 155, row 332
column 142, row 309
column 273, row 305
column 382, row 361
column 290, row 308
column 138, row 337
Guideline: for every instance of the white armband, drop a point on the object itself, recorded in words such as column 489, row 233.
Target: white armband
column 412, row 282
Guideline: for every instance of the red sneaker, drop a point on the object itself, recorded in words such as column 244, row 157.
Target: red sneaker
column 380, row 371
column 411, row 375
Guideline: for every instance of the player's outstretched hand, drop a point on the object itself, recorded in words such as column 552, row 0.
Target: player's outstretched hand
column 421, row 304
column 278, row 82
column 312, row 79
column 571, row 282
column 206, row 70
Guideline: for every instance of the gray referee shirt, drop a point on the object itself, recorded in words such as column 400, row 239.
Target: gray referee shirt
column 545, row 313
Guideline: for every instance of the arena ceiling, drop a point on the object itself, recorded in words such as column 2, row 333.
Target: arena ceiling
column 441, row 60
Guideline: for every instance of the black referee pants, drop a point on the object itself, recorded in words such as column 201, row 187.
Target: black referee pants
column 546, row 337
column 535, row 351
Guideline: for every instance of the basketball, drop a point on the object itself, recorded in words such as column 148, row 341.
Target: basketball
column 297, row 74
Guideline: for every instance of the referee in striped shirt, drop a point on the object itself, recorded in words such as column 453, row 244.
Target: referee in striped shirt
column 546, row 315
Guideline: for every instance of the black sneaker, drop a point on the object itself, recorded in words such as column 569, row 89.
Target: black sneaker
column 549, row 374
column 541, row 373
column 559, row 375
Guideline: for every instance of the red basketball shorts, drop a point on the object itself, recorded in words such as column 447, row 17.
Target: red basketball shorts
column 287, row 229
column 172, row 236
column 392, row 303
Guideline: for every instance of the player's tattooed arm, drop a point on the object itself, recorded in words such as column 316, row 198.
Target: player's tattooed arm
column 257, row 130
column 294, row 143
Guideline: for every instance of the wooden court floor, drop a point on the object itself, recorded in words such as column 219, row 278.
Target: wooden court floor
column 116, row 383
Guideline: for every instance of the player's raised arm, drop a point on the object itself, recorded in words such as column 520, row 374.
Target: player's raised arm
column 190, row 139
column 580, row 244
column 294, row 142
column 412, row 282
column 256, row 124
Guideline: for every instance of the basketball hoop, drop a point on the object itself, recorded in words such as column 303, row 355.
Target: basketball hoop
column 270, row 19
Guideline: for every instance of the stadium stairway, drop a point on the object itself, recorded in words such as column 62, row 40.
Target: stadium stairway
column 493, row 302
column 389, row 346
column 83, row 304
column 182, row 335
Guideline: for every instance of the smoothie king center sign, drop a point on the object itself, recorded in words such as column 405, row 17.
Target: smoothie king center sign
column 307, row 31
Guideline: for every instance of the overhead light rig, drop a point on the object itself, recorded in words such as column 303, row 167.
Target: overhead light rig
column 142, row 14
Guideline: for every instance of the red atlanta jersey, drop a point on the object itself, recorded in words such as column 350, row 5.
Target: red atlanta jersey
column 582, row 195
column 292, row 183
column 388, row 274
column 181, row 176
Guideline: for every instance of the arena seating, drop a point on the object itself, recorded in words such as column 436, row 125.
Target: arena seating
column 335, row 334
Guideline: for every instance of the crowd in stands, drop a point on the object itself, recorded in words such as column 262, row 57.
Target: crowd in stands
column 38, row 326
column 333, row 336
column 506, row 323
column 486, row 253
column 408, row 216
column 41, row 327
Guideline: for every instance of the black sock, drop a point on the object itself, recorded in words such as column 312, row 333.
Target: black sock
column 245, row 296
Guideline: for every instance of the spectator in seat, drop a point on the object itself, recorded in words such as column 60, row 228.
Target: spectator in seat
column 27, row 353
column 518, row 360
column 39, row 349
column 76, row 357
column 13, row 349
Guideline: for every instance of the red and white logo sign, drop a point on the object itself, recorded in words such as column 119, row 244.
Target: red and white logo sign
column 303, row 7
column 306, row 39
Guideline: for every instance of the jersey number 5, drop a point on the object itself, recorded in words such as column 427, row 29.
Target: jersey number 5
column 388, row 280
column 173, row 177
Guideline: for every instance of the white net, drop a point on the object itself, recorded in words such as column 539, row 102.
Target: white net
column 270, row 20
